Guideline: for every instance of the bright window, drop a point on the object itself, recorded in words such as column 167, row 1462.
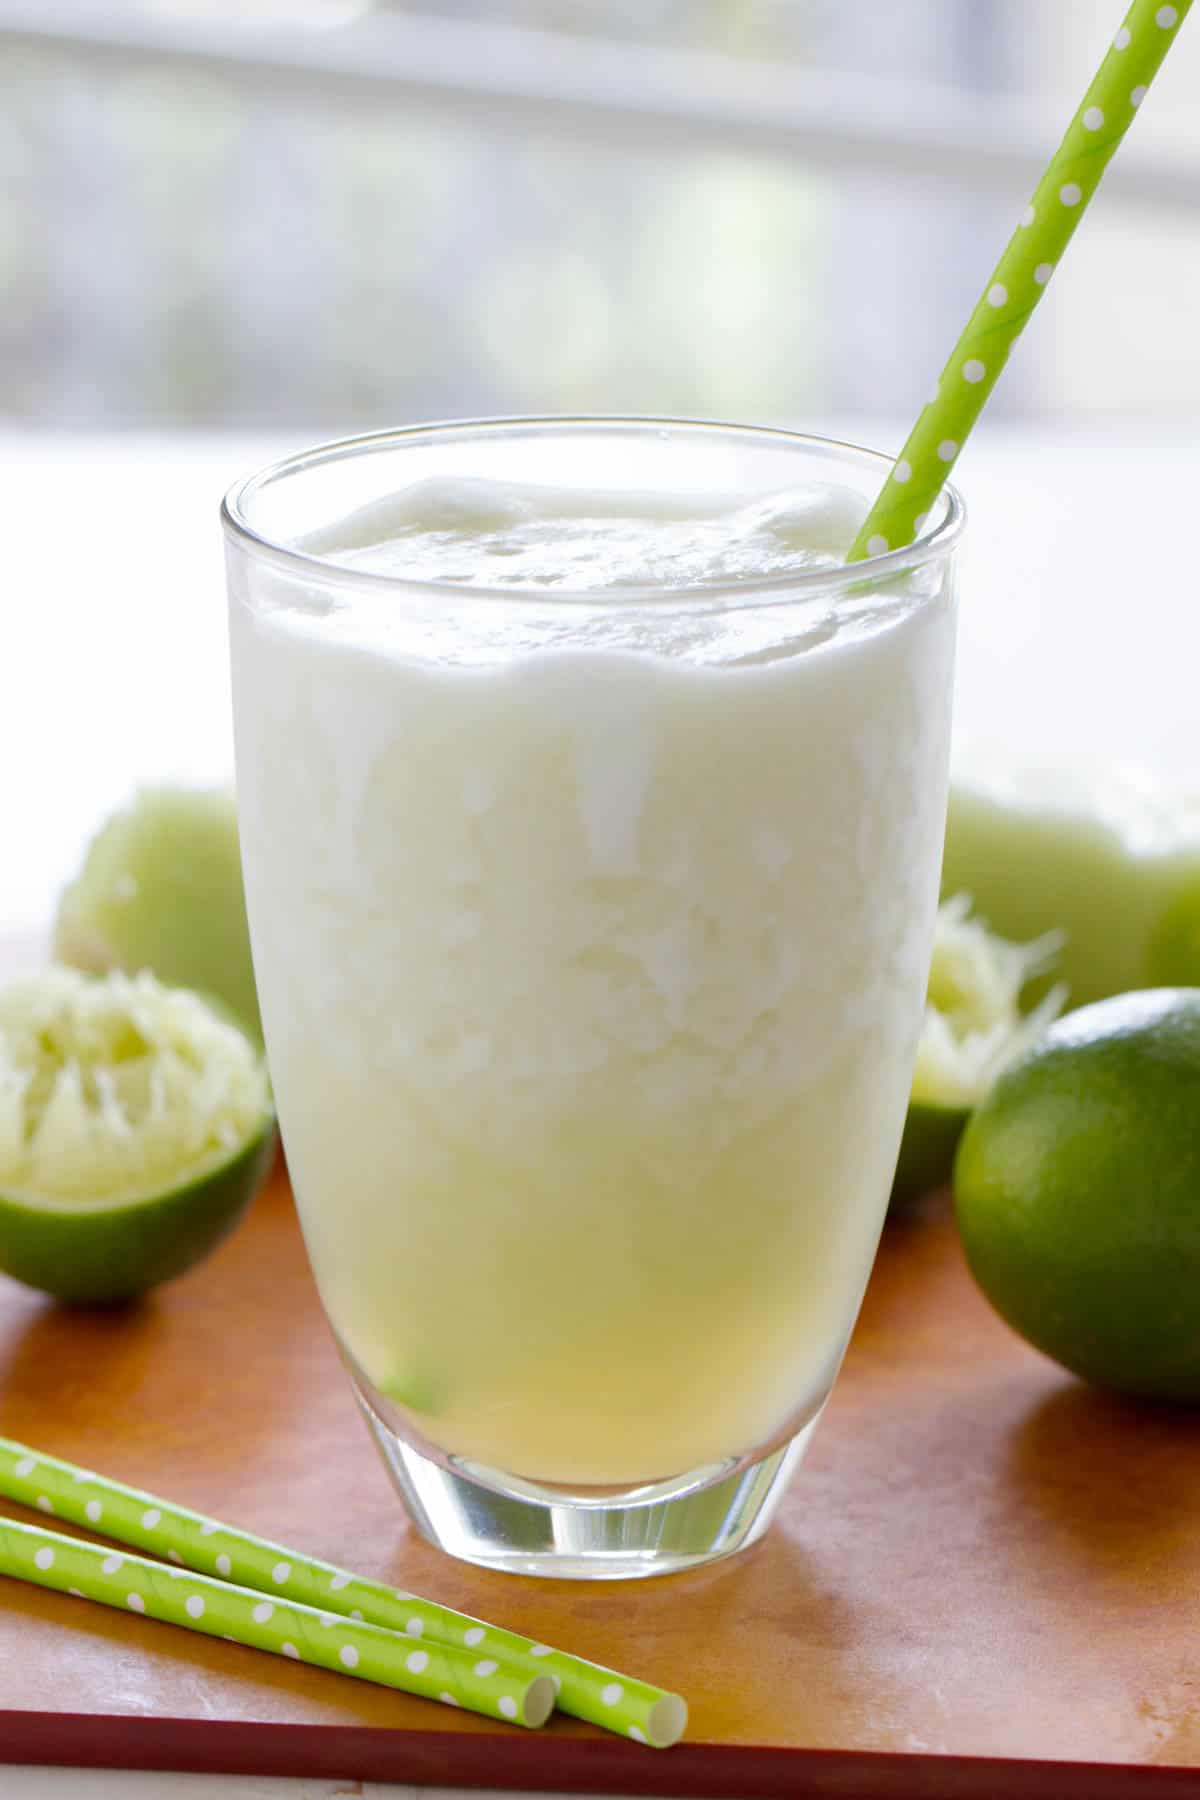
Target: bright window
column 317, row 214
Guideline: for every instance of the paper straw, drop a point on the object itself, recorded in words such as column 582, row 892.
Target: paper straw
column 1019, row 279
column 349, row 1647
column 190, row 1540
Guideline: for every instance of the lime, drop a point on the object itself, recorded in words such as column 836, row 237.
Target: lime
column 973, row 1026
column 135, row 1125
column 161, row 889
column 1109, row 856
column 1077, row 1187
column 1173, row 953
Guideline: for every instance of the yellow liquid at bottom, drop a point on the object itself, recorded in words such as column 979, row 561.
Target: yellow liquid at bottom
column 592, row 1308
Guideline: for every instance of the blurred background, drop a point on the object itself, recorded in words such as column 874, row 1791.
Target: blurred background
column 312, row 215
column 231, row 227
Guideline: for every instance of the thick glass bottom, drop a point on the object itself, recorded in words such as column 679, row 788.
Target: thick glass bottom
column 503, row 1522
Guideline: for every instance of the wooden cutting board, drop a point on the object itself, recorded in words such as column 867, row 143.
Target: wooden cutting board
column 985, row 1580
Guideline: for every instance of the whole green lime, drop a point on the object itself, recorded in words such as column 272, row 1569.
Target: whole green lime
column 1077, row 1190
column 161, row 889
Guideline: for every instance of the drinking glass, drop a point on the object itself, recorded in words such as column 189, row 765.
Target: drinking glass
column 591, row 930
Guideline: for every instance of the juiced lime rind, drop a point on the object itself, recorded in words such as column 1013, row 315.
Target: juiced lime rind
column 91, row 1257
column 931, row 1135
column 973, row 1027
column 973, row 1021
column 135, row 1123
column 161, row 889
column 1077, row 1194
column 115, row 1088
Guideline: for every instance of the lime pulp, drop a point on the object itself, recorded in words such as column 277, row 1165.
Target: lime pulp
column 135, row 1125
column 973, row 1026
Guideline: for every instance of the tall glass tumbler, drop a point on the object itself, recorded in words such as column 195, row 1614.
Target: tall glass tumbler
column 591, row 931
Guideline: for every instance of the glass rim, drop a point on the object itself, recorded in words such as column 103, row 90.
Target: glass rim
column 935, row 541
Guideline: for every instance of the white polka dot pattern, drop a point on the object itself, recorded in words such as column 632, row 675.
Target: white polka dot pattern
column 497, row 1687
column 372, row 1632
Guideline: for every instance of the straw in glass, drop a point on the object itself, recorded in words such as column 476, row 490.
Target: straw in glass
column 1020, row 278
column 455, row 1676
column 189, row 1540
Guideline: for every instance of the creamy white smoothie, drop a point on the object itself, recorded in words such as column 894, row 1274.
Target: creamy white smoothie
column 591, row 928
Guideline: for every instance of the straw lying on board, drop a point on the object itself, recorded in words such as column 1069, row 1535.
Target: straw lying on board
column 457, row 1677
column 189, row 1540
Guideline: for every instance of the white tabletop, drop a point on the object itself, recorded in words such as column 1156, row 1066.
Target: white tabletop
column 1080, row 632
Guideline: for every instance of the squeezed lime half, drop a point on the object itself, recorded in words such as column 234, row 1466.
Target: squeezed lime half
column 973, row 1028
column 136, row 1124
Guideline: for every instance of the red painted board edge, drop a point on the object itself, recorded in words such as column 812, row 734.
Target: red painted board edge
column 540, row 1763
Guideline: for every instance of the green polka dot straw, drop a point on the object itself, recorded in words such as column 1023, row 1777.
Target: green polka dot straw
column 455, row 1676
column 485, row 1656
column 1020, row 278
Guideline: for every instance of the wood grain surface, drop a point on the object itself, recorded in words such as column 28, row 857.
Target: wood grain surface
column 980, row 1559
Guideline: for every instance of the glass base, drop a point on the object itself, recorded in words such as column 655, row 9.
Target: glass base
column 502, row 1522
